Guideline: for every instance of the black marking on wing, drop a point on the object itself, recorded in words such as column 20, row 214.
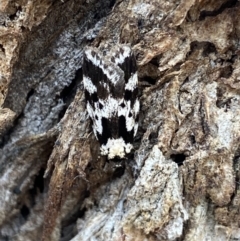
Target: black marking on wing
column 99, row 78
column 129, row 67
column 126, row 135
column 106, row 131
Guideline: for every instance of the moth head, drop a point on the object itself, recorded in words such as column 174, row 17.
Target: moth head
column 116, row 148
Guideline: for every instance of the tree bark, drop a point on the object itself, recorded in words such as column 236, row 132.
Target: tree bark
column 182, row 181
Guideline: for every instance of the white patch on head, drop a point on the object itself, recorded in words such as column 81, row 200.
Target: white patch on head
column 115, row 148
column 88, row 85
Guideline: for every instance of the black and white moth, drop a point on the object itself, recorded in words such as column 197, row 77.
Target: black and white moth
column 110, row 83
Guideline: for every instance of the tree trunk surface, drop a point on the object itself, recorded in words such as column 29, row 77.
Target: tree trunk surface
column 182, row 181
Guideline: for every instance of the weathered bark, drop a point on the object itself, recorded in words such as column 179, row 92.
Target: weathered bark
column 182, row 183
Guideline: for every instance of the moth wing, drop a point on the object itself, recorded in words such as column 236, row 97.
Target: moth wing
column 104, row 87
column 123, row 56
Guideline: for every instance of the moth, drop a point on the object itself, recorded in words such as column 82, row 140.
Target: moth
column 111, row 92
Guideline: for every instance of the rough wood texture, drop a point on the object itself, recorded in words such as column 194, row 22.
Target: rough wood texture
column 183, row 181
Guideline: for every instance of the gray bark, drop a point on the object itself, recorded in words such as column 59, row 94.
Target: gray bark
column 182, row 183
